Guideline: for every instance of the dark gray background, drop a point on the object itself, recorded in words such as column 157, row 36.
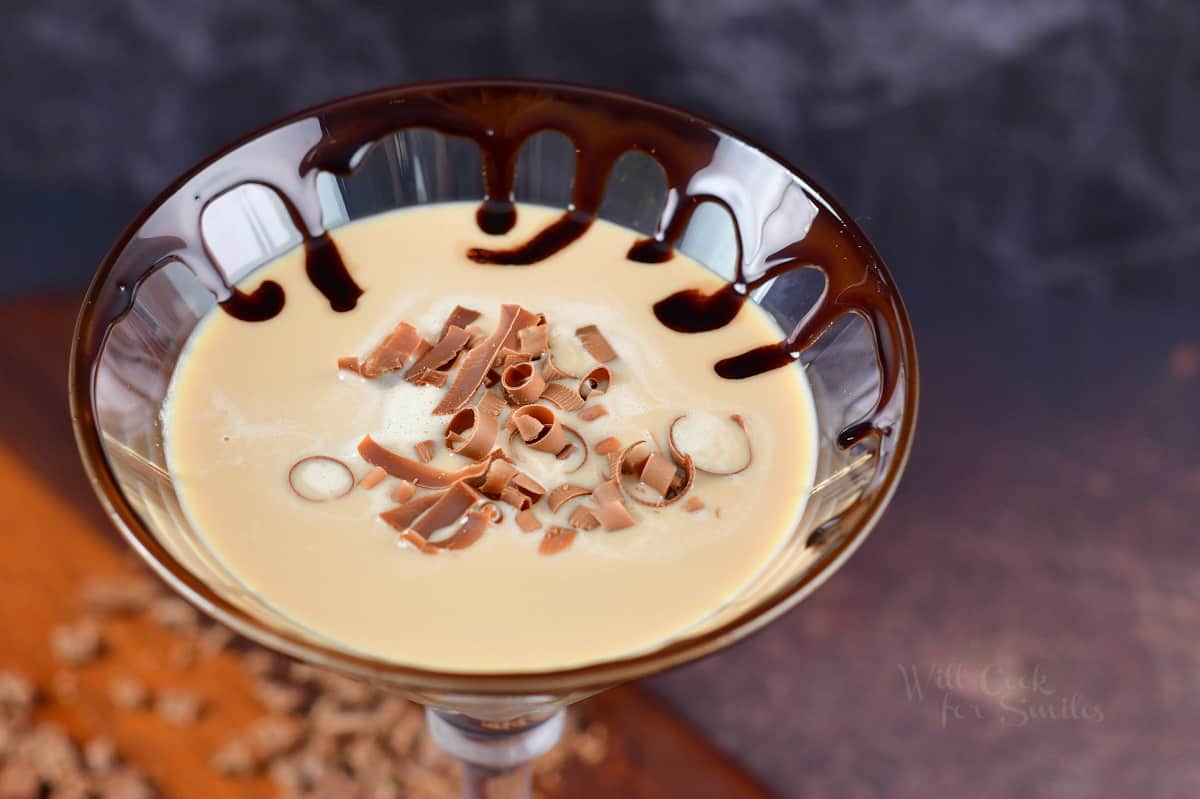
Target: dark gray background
column 1029, row 170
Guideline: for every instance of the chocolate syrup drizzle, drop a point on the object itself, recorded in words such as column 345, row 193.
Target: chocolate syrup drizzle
column 499, row 117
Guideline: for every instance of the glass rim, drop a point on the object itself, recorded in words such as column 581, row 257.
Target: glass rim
column 583, row 677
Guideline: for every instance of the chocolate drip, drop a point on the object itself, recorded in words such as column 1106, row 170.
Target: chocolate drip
column 498, row 117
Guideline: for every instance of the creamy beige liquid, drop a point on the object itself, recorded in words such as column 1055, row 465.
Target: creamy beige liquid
column 249, row 399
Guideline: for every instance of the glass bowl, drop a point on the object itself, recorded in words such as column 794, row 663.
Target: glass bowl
column 730, row 204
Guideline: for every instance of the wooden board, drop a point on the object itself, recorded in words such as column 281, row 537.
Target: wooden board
column 56, row 537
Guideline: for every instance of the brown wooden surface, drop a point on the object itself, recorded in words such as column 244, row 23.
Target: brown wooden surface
column 56, row 537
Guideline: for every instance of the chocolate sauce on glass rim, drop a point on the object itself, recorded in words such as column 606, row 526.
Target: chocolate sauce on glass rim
column 781, row 222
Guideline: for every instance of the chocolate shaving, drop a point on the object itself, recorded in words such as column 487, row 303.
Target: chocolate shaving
column 595, row 343
column 628, row 463
column 429, row 377
column 424, row 450
column 477, row 363
column 403, row 491
column 679, row 455
column 607, row 445
column 593, row 412
column 351, row 364
column 459, row 317
column 693, row 504
column 515, row 497
column 551, row 372
column 402, row 516
column 442, row 354
column 419, row 473
column 524, row 319
column 522, row 383
column 449, row 507
column 539, row 428
column 658, row 472
column 611, row 510
column 373, row 478
column 534, row 340
column 597, row 381
column 508, row 358
column 561, row 495
column 312, row 459
column 556, row 539
column 584, row 518
column 583, row 447
column 471, row 531
column 393, row 351
column 490, row 404
column 499, row 475
column 562, row 396
column 528, row 521
column 565, row 452
column 483, row 429
column 528, row 486
column 414, row 538
column 477, row 334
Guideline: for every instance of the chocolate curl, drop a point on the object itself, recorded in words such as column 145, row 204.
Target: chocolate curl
column 607, row 445
column 593, row 412
column 628, row 463
column 515, row 497
column 442, row 354
column 567, row 451
column 477, row 363
column 523, row 320
column 459, row 317
column 556, row 539
column 561, row 495
column 596, row 381
column 415, row 539
column 393, row 351
column 658, row 472
column 508, row 358
column 539, row 428
column 595, row 343
column 421, row 474
column 562, row 396
column 350, row 364
column 483, row 429
column 424, row 450
column 315, row 459
column 429, row 377
column 499, row 475
column 679, row 455
column 528, row 486
column 551, row 372
column 522, row 384
column 583, row 518
column 476, row 333
column 449, row 508
column 528, row 521
column 534, row 340
column 490, row 404
column 373, row 478
column 471, row 531
column 611, row 510
column 402, row 516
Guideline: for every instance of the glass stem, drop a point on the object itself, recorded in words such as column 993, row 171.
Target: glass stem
column 496, row 757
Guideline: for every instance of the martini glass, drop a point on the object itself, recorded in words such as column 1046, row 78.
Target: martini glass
column 682, row 181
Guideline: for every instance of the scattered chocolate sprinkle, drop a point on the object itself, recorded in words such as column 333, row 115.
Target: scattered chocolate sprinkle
column 608, row 445
column 561, row 495
column 584, row 518
column 522, row 383
column 597, row 381
column 442, row 354
column 611, row 510
column 419, row 473
column 77, row 644
column 313, row 459
column 693, row 504
column 595, row 343
column 178, row 707
column 424, row 451
column 128, row 693
column 528, row 521
column 393, row 351
column 539, row 428
column 483, row 429
column 592, row 413
column 402, row 516
column 556, row 539
column 551, row 372
column 477, row 363
column 562, row 396
column 459, row 317
column 679, row 455
column 403, row 491
column 350, row 363
column 490, row 404
column 373, row 478
column 535, row 339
